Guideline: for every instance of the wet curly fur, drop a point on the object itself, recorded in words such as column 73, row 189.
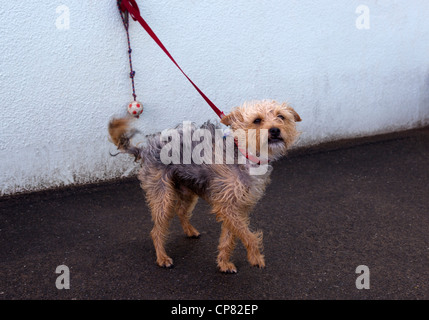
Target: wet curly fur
column 230, row 189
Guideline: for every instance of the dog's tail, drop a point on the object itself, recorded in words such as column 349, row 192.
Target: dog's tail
column 121, row 134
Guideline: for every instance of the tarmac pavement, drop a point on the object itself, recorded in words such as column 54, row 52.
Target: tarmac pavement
column 328, row 210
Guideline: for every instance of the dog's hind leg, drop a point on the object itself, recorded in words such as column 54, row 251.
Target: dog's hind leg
column 161, row 199
column 185, row 205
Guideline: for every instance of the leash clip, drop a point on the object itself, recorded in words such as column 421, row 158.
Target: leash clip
column 131, row 7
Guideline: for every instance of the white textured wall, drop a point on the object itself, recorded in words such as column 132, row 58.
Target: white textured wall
column 58, row 88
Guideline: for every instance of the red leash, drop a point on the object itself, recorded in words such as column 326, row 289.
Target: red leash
column 133, row 10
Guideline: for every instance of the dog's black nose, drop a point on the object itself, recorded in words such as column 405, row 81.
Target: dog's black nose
column 274, row 132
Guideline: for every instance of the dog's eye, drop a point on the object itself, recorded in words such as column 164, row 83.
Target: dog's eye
column 257, row 121
column 280, row 117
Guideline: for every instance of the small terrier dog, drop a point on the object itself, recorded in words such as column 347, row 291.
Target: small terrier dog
column 230, row 189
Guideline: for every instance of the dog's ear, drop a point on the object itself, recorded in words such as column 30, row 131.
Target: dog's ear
column 294, row 113
column 234, row 116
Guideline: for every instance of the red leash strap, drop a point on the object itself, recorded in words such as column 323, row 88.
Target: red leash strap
column 250, row 156
column 133, row 10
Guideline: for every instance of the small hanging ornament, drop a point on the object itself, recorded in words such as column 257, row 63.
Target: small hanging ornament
column 135, row 108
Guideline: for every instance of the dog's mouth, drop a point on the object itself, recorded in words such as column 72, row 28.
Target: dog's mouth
column 275, row 140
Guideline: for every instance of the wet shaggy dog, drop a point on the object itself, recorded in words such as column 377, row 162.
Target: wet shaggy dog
column 231, row 189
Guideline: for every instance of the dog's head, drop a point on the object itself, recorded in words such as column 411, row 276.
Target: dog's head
column 264, row 125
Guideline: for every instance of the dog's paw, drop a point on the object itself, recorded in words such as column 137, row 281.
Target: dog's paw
column 194, row 236
column 192, row 233
column 166, row 262
column 257, row 261
column 227, row 267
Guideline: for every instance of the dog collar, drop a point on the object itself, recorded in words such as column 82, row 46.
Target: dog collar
column 250, row 156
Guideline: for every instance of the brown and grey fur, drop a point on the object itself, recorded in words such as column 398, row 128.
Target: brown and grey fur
column 229, row 188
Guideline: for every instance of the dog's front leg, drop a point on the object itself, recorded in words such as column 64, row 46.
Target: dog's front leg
column 226, row 247
column 237, row 225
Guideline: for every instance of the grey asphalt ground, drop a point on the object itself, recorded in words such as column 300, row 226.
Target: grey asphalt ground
column 328, row 210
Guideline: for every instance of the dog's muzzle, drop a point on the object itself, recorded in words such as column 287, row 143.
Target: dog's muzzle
column 274, row 135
